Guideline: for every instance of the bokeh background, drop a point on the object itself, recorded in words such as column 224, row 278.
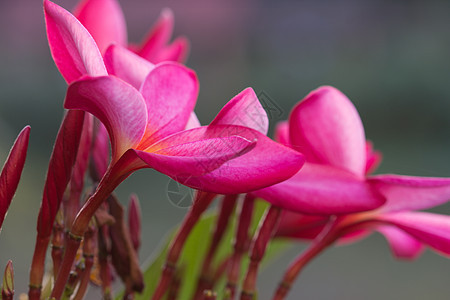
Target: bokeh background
column 390, row 57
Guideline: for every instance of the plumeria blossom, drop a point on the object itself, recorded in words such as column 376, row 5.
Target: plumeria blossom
column 12, row 169
column 326, row 127
column 147, row 130
column 334, row 125
column 105, row 21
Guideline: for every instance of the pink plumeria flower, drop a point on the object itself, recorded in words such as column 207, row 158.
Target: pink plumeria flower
column 147, row 107
column 76, row 52
column 12, row 169
column 326, row 127
column 105, row 21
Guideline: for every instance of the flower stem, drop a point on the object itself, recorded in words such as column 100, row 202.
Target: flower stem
column 205, row 280
column 58, row 239
column 37, row 267
column 79, row 226
column 201, row 203
column 265, row 232
column 241, row 245
column 328, row 236
column 88, row 254
column 103, row 261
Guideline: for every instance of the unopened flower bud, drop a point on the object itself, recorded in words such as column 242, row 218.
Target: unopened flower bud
column 8, row 282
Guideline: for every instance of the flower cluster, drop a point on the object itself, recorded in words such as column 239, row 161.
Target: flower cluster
column 131, row 107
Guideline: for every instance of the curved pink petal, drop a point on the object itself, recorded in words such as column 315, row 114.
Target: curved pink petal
column 73, row 48
column 117, row 104
column 60, row 170
column 353, row 237
column 184, row 159
column 323, row 190
column 12, row 169
column 266, row 164
column 411, row 193
column 158, row 36
column 299, row 226
column 282, row 133
column 127, row 65
column 403, row 245
column 104, row 20
column 326, row 127
column 177, row 51
column 193, row 122
column 429, row 228
column 244, row 110
column 373, row 158
column 170, row 92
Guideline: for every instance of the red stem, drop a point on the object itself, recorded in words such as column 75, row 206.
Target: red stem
column 328, row 236
column 104, row 189
column 103, row 261
column 265, row 232
column 88, row 254
column 205, row 280
column 37, row 268
column 201, row 203
column 241, row 245
column 58, row 239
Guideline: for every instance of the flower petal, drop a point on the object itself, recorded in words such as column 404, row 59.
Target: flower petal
column 353, row 237
column 323, row 190
column 12, row 169
column 179, row 159
column 429, row 228
column 73, row 48
column 373, row 159
column 403, row 245
column 282, row 133
column 244, row 110
column 104, row 97
column 158, row 36
column 170, row 92
column 193, row 122
column 411, row 193
column 177, row 51
column 266, row 164
column 104, row 20
column 326, row 127
column 127, row 65
column 299, row 226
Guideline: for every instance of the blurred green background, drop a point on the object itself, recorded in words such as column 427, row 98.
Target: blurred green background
column 389, row 57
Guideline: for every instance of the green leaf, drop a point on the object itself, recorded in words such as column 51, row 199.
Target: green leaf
column 195, row 250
